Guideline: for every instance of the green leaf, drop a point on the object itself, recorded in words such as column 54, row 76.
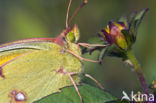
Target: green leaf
column 140, row 14
column 119, row 101
column 135, row 21
column 89, row 94
column 131, row 26
column 132, row 17
column 114, row 51
column 139, row 17
column 123, row 19
column 102, row 53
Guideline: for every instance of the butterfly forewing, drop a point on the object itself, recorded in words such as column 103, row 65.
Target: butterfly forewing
column 35, row 69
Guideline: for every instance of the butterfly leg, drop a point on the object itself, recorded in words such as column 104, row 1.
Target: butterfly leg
column 70, row 76
column 91, row 45
column 92, row 78
column 76, row 88
column 81, row 58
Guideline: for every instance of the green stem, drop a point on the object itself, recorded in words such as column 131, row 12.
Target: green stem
column 137, row 68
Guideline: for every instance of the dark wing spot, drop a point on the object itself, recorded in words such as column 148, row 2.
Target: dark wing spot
column 1, row 73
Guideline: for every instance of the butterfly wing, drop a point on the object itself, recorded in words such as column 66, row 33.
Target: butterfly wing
column 34, row 71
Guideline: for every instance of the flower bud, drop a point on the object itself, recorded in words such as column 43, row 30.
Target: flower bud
column 113, row 34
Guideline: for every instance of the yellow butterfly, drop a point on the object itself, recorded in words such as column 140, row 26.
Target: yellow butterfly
column 34, row 68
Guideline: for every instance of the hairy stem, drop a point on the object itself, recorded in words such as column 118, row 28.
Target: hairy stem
column 137, row 68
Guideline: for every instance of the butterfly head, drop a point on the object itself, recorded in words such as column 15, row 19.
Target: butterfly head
column 73, row 34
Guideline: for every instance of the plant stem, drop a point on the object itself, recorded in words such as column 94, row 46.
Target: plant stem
column 137, row 68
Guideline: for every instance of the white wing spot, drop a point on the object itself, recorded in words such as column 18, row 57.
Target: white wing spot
column 20, row 97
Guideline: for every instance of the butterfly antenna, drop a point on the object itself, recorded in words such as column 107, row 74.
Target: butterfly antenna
column 67, row 16
column 77, row 10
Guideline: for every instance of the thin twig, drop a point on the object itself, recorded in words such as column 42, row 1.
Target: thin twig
column 137, row 68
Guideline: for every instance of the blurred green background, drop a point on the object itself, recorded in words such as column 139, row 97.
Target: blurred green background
column 21, row 19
